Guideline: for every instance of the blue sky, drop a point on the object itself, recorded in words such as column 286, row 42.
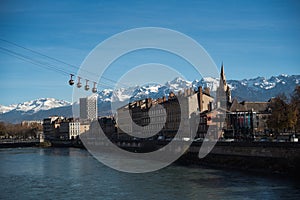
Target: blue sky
column 252, row 38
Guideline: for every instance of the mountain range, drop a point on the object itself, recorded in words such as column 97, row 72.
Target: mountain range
column 256, row 89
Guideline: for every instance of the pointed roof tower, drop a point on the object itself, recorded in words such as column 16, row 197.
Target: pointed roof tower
column 223, row 91
column 222, row 75
column 222, row 68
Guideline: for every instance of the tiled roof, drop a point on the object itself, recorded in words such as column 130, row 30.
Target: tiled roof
column 246, row 106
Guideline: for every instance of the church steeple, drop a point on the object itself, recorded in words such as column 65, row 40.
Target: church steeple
column 222, row 68
column 223, row 92
column 222, row 75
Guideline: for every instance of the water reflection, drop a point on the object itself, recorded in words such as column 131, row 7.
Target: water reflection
column 68, row 173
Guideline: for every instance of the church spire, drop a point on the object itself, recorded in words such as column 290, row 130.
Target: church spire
column 223, row 91
column 222, row 69
column 222, row 75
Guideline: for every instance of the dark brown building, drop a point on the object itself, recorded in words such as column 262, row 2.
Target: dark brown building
column 247, row 119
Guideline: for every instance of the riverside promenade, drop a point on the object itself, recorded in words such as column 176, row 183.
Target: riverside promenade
column 266, row 157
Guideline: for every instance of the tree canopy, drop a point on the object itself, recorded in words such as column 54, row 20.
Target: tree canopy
column 285, row 114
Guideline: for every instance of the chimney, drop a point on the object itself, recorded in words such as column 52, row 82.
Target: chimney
column 200, row 89
column 199, row 98
column 207, row 90
column 148, row 102
column 186, row 92
column 158, row 100
column 171, row 95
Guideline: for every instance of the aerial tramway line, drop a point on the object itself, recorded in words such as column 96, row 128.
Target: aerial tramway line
column 86, row 87
column 54, row 67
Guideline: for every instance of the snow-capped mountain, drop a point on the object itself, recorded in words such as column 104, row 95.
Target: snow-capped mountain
column 5, row 109
column 178, row 84
column 155, row 91
column 256, row 89
column 262, row 89
column 34, row 106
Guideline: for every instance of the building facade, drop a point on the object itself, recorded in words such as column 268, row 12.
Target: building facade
column 180, row 113
column 245, row 120
column 69, row 129
column 88, row 108
column 60, row 128
column 164, row 118
column 51, row 127
column 108, row 125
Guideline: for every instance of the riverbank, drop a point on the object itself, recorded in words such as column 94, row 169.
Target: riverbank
column 19, row 144
column 263, row 157
column 37, row 143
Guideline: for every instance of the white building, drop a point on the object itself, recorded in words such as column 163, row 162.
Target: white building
column 74, row 130
column 71, row 129
column 88, row 108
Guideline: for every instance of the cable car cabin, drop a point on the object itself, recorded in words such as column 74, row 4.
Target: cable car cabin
column 87, row 87
column 94, row 90
column 78, row 83
column 71, row 81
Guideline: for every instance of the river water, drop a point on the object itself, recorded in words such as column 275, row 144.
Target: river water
column 69, row 173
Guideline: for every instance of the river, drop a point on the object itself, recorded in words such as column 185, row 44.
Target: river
column 70, row 173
